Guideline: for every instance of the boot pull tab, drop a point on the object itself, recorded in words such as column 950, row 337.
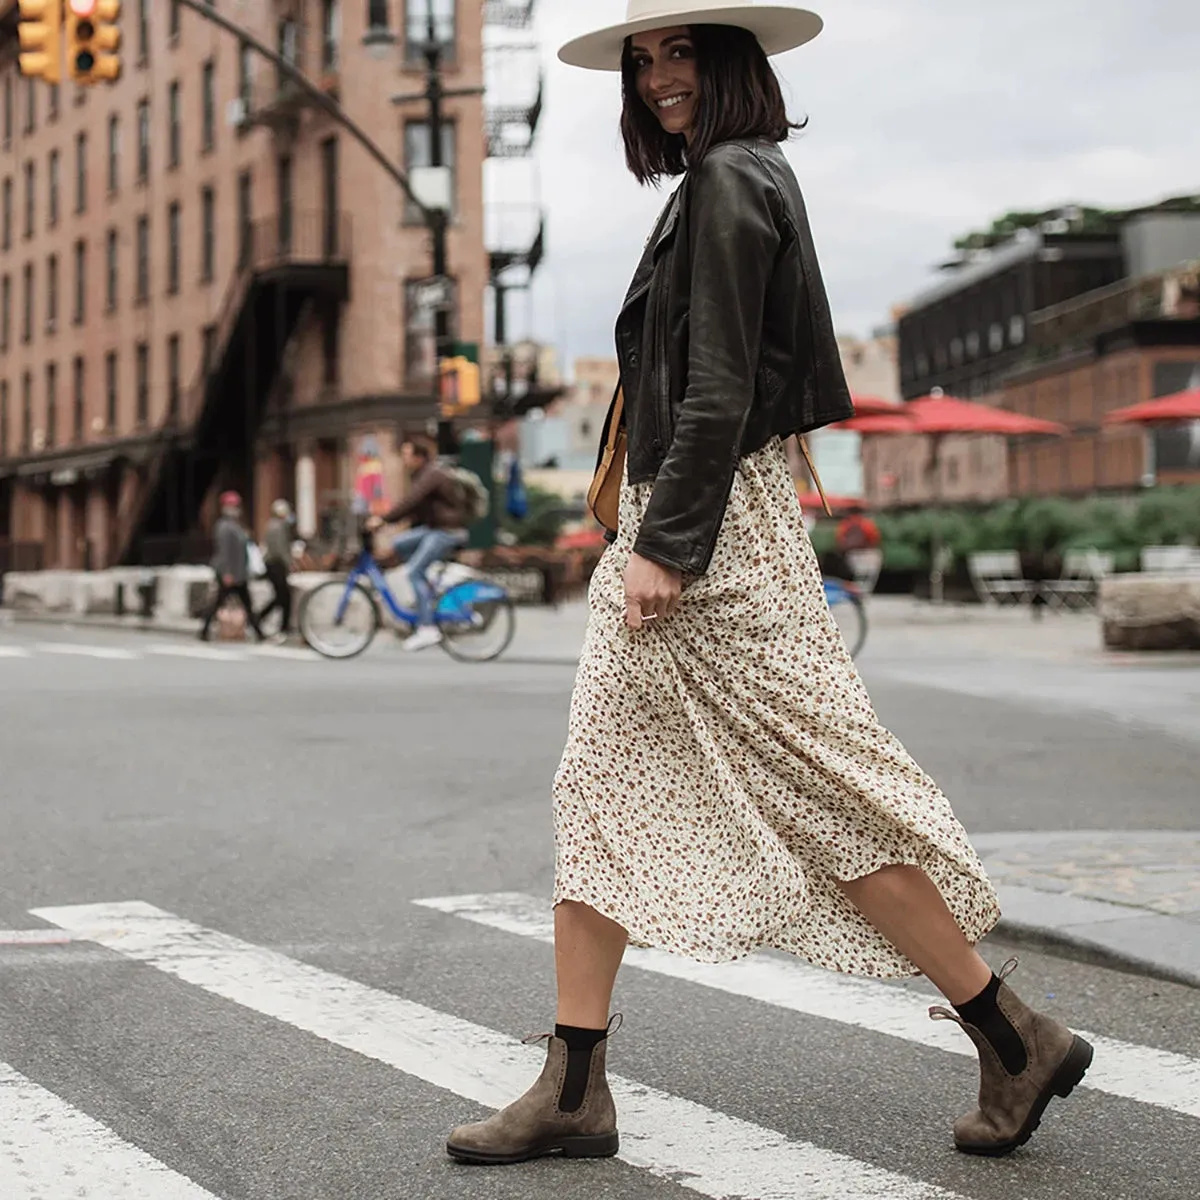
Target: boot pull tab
column 534, row 1038
column 938, row 1013
column 614, row 1024
column 1008, row 968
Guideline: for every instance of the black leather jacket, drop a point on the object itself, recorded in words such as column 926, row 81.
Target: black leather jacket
column 725, row 341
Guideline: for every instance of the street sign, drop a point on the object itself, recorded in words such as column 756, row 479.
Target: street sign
column 434, row 293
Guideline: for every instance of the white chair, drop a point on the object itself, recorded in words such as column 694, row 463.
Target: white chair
column 1079, row 585
column 998, row 578
column 866, row 565
column 1170, row 560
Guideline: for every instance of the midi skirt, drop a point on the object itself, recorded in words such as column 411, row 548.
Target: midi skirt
column 724, row 767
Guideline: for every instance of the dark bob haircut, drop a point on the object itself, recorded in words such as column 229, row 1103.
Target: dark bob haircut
column 739, row 97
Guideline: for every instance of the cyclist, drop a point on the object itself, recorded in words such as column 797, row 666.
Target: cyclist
column 440, row 510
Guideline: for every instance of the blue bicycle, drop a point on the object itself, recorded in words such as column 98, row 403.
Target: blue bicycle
column 340, row 618
column 846, row 604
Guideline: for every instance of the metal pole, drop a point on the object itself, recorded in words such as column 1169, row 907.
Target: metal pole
column 203, row 9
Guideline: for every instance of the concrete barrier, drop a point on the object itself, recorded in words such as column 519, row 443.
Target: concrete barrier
column 1151, row 612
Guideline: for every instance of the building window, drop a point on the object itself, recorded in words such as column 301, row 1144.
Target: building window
column 175, row 21
column 418, row 146
column 246, row 76
column 78, row 401
column 114, row 154
column 377, row 14
column 8, row 111
column 996, row 337
column 331, row 344
column 208, row 106
column 30, row 104
column 289, row 45
column 208, row 235
column 973, row 344
column 5, row 311
column 26, row 413
column 173, row 375
column 1016, row 330
column 111, row 260
column 55, row 181
column 30, row 196
column 329, row 196
column 81, row 173
column 143, row 32
column 142, row 382
column 956, row 351
column 245, row 203
column 27, row 322
column 331, row 22
column 80, row 313
column 143, row 259
column 52, row 293
column 110, row 391
column 208, row 349
column 173, row 248
column 6, row 238
column 55, row 101
column 174, row 139
column 416, row 28
column 3, row 418
column 51, row 405
column 143, row 136
column 286, row 214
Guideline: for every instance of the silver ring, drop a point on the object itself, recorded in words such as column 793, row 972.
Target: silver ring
column 649, row 616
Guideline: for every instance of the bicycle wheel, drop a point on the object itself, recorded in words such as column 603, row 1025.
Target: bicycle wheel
column 851, row 616
column 338, row 622
column 477, row 619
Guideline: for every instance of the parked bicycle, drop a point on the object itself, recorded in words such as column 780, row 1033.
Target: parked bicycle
column 846, row 603
column 340, row 618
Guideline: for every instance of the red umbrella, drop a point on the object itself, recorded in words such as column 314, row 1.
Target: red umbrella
column 812, row 500
column 946, row 415
column 880, row 423
column 1167, row 410
column 870, row 406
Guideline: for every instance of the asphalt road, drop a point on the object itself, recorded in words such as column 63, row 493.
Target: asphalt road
column 323, row 1039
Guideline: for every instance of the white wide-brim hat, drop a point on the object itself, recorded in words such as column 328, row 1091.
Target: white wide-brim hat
column 778, row 27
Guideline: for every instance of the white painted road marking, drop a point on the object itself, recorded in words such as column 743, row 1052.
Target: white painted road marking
column 34, row 937
column 673, row 1138
column 52, row 1151
column 1133, row 1072
column 211, row 653
column 14, row 652
column 85, row 651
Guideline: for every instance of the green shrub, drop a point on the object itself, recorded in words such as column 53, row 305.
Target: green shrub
column 542, row 524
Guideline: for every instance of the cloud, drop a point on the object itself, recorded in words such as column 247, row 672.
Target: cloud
column 927, row 118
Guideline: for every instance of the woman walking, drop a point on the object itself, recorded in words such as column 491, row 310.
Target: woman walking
column 726, row 784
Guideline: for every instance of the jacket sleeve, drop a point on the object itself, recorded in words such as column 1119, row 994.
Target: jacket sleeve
column 423, row 488
column 733, row 242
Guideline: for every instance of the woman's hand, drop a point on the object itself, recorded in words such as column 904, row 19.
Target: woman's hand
column 652, row 591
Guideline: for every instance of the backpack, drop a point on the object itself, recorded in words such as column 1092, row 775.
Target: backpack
column 477, row 500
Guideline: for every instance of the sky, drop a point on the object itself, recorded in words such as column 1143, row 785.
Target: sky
column 927, row 119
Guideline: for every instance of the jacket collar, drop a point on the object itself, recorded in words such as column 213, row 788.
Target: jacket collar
column 660, row 237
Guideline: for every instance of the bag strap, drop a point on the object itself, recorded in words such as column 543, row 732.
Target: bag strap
column 812, row 470
column 618, row 412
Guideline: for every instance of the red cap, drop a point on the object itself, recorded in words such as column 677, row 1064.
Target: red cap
column 231, row 500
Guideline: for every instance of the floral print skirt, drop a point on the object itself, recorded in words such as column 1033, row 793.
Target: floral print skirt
column 725, row 768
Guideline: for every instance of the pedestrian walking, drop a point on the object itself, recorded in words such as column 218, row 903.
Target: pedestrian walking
column 726, row 784
column 231, row 562
column 277, row 555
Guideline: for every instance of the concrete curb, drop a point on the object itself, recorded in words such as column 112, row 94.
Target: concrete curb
column 1133, row 940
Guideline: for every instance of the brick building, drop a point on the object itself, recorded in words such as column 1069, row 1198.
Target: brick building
column 206, row 282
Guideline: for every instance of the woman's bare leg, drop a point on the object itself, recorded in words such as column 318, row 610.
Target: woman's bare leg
column 903, row 903
column 588, row 949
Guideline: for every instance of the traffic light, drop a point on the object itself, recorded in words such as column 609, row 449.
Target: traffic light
column 93, row 39
column 459, row 385
column 40, row 35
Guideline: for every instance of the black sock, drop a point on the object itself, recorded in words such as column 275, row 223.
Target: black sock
column 984, row 1013
column 580, row 1044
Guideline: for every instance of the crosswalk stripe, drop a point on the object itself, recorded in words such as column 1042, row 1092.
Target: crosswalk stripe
column 673, row 1138
column 1141, row 1073
column 34, row 937
column 85, row 651
column 210, row 653
column 14, row 652
column 52, row 1151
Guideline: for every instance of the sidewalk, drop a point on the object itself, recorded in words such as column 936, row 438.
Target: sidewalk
column 1130, row 900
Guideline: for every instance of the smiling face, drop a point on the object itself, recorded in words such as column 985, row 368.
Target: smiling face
column 664, row 63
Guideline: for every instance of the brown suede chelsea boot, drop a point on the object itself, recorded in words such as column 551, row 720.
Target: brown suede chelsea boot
column 535, row 1126
column 1011, row 1106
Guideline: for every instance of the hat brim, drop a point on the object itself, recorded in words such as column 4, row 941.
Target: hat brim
column 778, row 29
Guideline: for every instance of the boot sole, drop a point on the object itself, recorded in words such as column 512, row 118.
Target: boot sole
column 1064, row 1081
column 601, row 1145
